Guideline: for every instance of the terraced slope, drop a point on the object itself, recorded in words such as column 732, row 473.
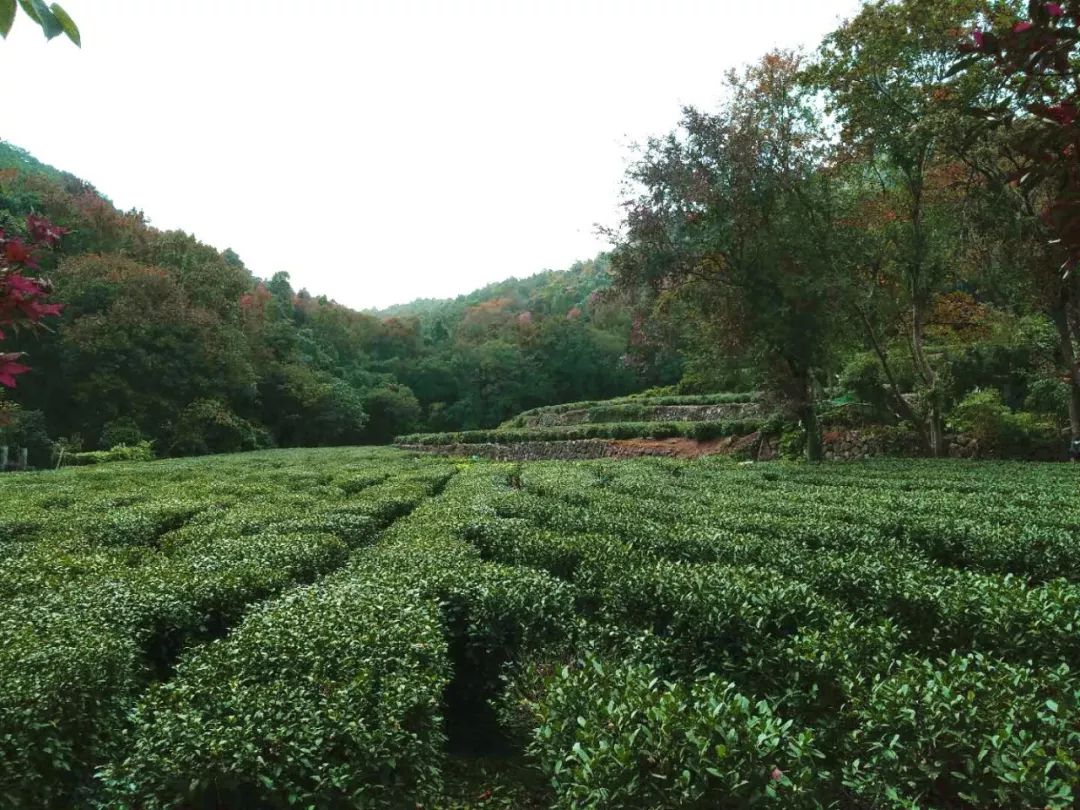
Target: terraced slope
column 359, row 628
column 594, row 429
column 690, row 408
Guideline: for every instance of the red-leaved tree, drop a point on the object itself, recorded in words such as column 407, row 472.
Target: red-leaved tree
column 22, row 297
column 1037, row 59
column 23, row 302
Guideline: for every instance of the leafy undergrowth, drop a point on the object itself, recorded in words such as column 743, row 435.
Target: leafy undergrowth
column 367, row 628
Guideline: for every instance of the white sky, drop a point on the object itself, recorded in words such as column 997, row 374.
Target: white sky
column 380, row 150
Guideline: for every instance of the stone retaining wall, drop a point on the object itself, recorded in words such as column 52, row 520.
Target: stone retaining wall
column 729, row 411
column 523, row 451
column 853, row 445
column 848, row 445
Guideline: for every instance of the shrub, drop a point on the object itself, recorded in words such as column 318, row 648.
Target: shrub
column 1000, row 366
column 226, row 631
column 121, row 431
column 706, row 431
column 792, row 442
column 967, row 731
column 619, row 736
column 143, row 451
column 646, row 400
column 309, row 701
column 65, row 684
column 1050, row 398
column 209, row 426
column 863, row 378
column 998, row 429
column 603, row 430
column 113, row 589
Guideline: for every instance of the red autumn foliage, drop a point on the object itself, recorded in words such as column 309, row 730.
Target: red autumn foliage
column 1037, row 56
column 23, row 298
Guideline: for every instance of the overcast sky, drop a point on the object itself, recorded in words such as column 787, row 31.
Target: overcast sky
column 380, row 150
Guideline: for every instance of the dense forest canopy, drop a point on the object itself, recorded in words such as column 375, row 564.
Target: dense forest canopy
column 894, row 216
column 164, row 338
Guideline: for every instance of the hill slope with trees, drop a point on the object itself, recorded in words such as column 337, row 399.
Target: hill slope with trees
column 895, row 215
column 164, row 338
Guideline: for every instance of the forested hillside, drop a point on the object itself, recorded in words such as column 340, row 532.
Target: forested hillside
column 894, row 218
column 164, row 338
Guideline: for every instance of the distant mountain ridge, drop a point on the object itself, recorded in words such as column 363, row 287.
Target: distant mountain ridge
column 577, row 283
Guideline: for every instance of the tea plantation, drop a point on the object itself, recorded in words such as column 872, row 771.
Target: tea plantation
column 700, row 417
column 373, row 629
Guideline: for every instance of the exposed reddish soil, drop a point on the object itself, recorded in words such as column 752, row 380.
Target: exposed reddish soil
column 674, row 448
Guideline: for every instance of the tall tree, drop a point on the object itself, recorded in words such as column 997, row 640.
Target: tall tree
column 733, row 216
column 1033, row 164
column 890, row 85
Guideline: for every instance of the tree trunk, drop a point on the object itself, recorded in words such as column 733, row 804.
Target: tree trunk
column 903, row 409
column 1072, row 366
column 798, row 389
column 813, row 432
column 934, row 417
column 808, row 416
column 920, row 297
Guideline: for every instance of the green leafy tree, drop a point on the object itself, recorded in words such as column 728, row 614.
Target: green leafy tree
column 733, row 217
column 392, row 410
column 132, row 345
column 890, row 85
column 209, row 426
column 1032, row 163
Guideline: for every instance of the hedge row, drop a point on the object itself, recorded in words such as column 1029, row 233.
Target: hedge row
column 702, row 431
column 645, row 400
column 636, row 412
column 92, row 615
column 912, row 678
column 966, row 731
column 677, row 634
column 999, row 527
column 328, row 696
column 334, row 695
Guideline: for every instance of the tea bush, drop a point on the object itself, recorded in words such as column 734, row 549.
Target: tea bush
column 328, row 696
column 337, row 628
column 603, row 430
column 614, row 735
column 646, row 400
column 141, row 451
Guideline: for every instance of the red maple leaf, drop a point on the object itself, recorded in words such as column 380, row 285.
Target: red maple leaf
column 9, row 368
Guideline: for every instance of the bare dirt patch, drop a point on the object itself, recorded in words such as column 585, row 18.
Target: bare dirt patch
column 673, row 448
